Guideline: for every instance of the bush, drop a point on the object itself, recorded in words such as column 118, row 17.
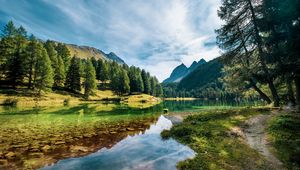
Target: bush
column 67, row 101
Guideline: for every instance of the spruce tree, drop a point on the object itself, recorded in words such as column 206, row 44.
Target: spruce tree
column 146, row 82
column 43, row 75
column 153, row 83
column 73, row 76
column 32, row 53
column 90, row 79
column 59, row 75
column 16, row 62
column 64, row 53
column 124, row 82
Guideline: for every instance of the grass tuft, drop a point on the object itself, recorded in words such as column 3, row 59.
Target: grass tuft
column 284, row 133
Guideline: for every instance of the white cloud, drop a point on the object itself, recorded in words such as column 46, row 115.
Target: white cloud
column 156, row 35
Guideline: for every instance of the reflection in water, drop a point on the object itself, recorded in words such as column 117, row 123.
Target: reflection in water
column 142, row 151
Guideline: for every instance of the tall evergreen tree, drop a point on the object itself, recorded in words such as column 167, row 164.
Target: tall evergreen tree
column 146, row 82
column 9, row 30
column 102, row 71
column 64, row 53
column 32, row 53
column 124, row 82
column 153, row 83
column 15, row 63
column 43, row 75
column 241, row 34
column 73, row 76
column 59, row 73
column 90, row 79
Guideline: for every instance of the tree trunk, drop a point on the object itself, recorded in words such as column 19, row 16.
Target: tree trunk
column 290, row 91
column 262, row 56
column 297, row 82
column 30, row 79
column 274, row 93
column 261, row 93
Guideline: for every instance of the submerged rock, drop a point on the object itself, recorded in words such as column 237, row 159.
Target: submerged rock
column 10, row 155
column 36, row 155
column 79, row 148
column 130, row 129
column 46, row 148
column 3, row 162
column 59, row 143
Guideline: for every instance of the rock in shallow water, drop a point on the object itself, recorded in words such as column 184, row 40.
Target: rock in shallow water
column 10, row 155
column 3, row 162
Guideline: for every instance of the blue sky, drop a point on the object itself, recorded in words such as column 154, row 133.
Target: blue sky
column 156, row 35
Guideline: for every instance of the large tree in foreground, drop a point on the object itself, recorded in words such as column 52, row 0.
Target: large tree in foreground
column 242, row 41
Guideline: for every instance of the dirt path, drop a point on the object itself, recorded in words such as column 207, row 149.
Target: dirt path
column 256, row 136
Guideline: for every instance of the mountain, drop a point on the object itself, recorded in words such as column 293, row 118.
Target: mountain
column 88, row 52
column 202, row 75
column 182, row 71
column 177, row 74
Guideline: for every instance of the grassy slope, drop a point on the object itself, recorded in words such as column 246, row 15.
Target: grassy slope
column 26, row 98
column 85, row 52
column 208, row 134
column 141, row 101
column 284, row 133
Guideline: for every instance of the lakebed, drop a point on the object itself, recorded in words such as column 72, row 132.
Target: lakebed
column 55, row 137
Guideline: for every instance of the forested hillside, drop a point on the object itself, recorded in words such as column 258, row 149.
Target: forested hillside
column 29, row 63
column 203, row 82
column 182, row 71
column 202, row 75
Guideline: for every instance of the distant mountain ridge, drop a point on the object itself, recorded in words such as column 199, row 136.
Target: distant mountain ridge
column 202, row 75
column 182, row 71
column 89, row 52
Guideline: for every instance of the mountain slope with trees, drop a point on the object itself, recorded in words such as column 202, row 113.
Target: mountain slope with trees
column 182, row 71
column 41, row 66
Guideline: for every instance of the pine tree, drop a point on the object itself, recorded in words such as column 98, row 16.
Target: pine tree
column 59, row 75
column 73, row 76
column 43, row 76
column 102, row 71
column 90, row 79
column 9, row 30
column 50, row 47
column 153, row 83
column 124, row 82
column 159, row 90
column 64, row 53
column 31, row 59
column 16, row 62
column 146, row 82
column 241, row 39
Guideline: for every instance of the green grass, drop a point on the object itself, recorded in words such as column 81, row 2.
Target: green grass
column 208, row 134
column 284, row 133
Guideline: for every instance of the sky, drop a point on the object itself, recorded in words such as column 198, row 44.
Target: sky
column 156, row 35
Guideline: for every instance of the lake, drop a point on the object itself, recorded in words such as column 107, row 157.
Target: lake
column 94, row 136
